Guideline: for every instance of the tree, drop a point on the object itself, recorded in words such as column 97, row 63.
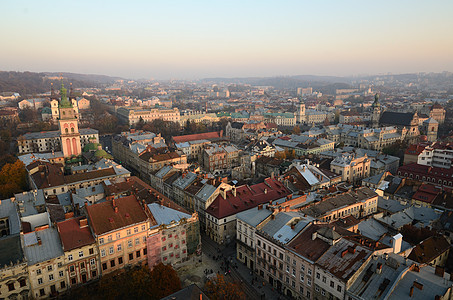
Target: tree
column 13, row 179
column 219, row 288
column 164, row 281
column 296, row 130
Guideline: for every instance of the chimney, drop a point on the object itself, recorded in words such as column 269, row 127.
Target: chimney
column 265, row 191
column 314, row 236
column 293, row 226
column 439, row 271
column 83, row 223
column 396, row 243
column 116, row 209
column 273, row 217
column 260, row 207
column 39, row 241
column 287, row 208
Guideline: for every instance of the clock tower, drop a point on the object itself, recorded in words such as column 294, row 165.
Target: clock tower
column 69, row 128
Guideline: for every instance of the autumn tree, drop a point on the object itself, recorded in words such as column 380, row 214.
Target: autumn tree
column 164, row 281
column 296, row 130
column 219, row 288
column 13, row 179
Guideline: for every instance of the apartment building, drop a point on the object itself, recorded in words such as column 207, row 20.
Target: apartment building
column 217, row 157
column 132, row 115
column 80, row 250
column 359, row 202
column 120, row 227
column 350, row 167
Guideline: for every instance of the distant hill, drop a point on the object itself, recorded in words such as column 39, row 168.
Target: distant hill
column 286, row 82
column 29, row 83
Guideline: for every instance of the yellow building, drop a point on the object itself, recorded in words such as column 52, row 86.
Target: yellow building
column 120, row 227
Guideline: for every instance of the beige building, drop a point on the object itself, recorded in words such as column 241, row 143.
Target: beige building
column 132, row 115
column 80, row 251
column 358, row 203
column 45, row 259
column 120, row 227
column 351, row 168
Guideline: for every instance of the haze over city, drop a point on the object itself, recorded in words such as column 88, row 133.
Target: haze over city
column 197, row 39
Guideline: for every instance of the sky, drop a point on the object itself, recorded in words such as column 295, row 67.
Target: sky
column 198, row 39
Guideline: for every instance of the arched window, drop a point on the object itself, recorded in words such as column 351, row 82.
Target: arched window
column 72, row 129
column 66, row 130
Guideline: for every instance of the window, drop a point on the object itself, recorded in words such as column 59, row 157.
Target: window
column 339, row 288
column 323, row 292
column 281, row 256
column 112, row 263
column 74, row 281
column 309, row 272
column 22, row 283
column 332, row 284
column 324, row 279
column 61, row 274
column 137, row 253
column 82, row 265
column 135, row 229
column 109, row 238
column 137, row 241
column 11, row 286
column 302, row 268
column 111, row 250
column 104, row 266
column 38, row 272
column 301, row 290
column 91, row 251
column 287, row 269
column 309, row 281
column 294, row 262
column 120, row 260
column 92, row 261
column 145, row 251
column 144, row 239
column 118, row 247
column 60, row 264
column 143, row 227
column 41, row 291
column 131, row 256
column 302, row 277
column 39, row 280
column 129, row 243
column 102, row 252
column 49, row 268
column 101, row 241
column 293, row 284
column 118, row 235
column 80, row 253
column 294, row 272
column 317, row 288
column 128, row 232
column 71, row 269
column 50, row 277
column 62, row 284
column 70, row 258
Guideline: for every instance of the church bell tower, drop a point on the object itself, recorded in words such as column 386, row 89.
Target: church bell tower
column 69, row 128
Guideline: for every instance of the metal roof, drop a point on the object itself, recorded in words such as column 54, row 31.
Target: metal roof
column 49, row 248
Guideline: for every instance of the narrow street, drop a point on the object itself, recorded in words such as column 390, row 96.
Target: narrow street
column 238, row 272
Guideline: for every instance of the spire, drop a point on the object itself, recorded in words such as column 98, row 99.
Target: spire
column 376, row 100
column 52, row 92
column 64, row 102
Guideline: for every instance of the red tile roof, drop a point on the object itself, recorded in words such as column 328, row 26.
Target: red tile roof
column 427, row 193
column 198, row 136
column 415, row 149
column 431, row 174
column 74, row 233
column 247, row 197
column 103, row 217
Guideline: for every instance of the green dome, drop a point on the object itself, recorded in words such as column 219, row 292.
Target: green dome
column 102, row 154
column 91, row 147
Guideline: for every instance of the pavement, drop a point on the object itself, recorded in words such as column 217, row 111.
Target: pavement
column 213, row 255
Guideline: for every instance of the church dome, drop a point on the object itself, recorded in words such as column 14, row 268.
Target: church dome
column 91, row 147
column 102, row 154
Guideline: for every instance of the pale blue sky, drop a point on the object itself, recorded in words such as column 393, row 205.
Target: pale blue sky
column 196, row 39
